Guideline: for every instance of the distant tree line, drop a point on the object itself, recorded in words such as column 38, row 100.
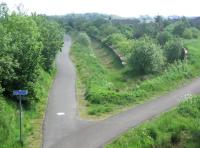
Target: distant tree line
column 147, row 44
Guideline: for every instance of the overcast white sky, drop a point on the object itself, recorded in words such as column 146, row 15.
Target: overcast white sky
column 126, row 8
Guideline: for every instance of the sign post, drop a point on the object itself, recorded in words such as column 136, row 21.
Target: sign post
column 20, row 93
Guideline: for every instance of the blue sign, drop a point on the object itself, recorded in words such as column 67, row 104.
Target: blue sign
column 20, row 92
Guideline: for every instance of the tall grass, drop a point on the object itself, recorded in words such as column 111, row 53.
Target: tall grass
column 8, row 124
column 32, row 117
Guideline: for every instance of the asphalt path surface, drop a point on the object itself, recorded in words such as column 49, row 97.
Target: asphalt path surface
column 64, row 129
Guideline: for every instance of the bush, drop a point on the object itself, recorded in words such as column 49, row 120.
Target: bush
column 187, row 34
column 164, row 37
column 147, row 57
column 84, row 39
column 173, row 50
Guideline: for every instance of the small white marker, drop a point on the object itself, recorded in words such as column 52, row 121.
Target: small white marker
column 60, row 114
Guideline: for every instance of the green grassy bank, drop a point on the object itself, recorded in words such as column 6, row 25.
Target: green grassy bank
column 179, row 128
column 32, row 118
column 107, row 88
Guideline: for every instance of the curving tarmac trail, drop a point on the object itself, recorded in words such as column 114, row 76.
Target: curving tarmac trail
column 63, row 129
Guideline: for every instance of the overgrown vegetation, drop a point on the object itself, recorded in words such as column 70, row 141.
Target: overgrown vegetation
column 154, row 59
column 107, row 90
column 175, row 129
column 147, row 57
column 29, row 45
column 156, row 63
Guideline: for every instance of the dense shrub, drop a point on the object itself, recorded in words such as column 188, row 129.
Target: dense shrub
column 147, row 57
column 163, row 37
column 173, row 50
column 51, row 35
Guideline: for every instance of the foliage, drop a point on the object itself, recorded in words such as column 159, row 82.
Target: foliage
column 8, row 124
column 146, row 57
column 123, row 45
column 107, row 89
column 194, row 53
column 177, row 128
column 27, row 42
column 51, row 35
column 32, row 119
column 180, row 27
column 103, row 96
column 84, row 39
column 190, row 33
column 26, row 49
column 143, row 29
column 28, row 46
column 107, row 29
column 163, row 37
column 174, row 50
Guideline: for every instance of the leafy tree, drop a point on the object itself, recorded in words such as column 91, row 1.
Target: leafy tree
column 180, row 26
column 160, row 22
column 126, row 30
column 3, row 10
column 26, row 44
column 92, row 30
column 107, row 29
column 163, row 37
column 147, row 57
column 143, row 29
column 173, row 50
column 51, row 36
column 7, row 63
column 26, row 49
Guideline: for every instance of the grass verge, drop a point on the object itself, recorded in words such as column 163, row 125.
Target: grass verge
column 178, row 128
column 32, row 119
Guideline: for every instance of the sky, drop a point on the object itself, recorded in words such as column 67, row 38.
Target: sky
column 124, row 8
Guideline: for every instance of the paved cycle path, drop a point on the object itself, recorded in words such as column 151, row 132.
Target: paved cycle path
column 63, row 129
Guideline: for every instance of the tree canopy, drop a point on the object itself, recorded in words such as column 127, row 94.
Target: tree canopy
column 27, row 44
